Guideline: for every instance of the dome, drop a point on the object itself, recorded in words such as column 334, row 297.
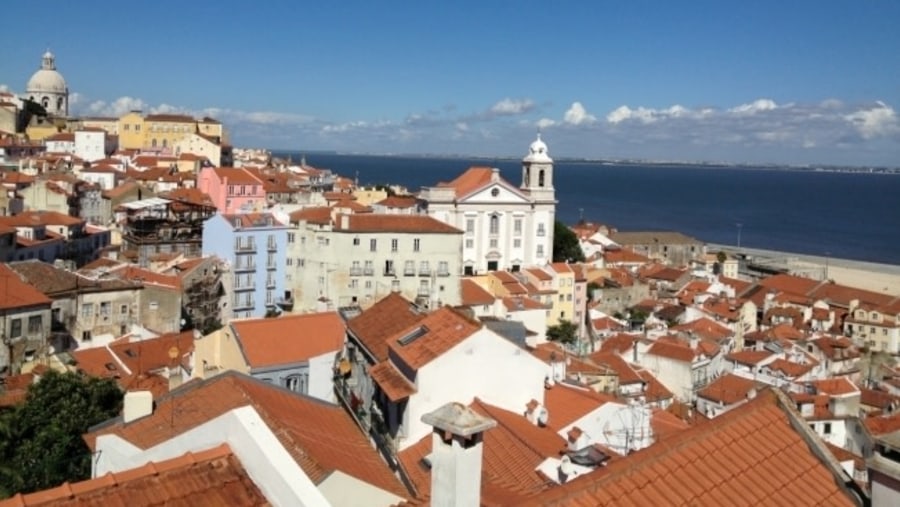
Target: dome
column 47, row 79
column 537, row 152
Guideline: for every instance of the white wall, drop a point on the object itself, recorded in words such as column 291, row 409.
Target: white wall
column 470, row 369
column 321, row 375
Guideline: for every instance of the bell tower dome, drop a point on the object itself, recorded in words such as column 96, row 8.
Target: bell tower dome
column 537, row 171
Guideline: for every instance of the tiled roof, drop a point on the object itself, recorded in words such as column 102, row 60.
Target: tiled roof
column 235, row 176
column 627, row 374
column 16, row 293
column 171, row 118
column 474, row 295
column 398, row 201
column 749, row 357
column 879, row 399
column 624, row 256
column 441, row 330
column 512, row 451
column 40, row 217
column 289, row 338
column 834, row 386
column 566, row 404
column 518, row 304
column 391, row 381
column 371, row 222
column 618, row 343
column 672, row 350
column 211, row 477
column 320, row 436
column 883, row 424
column 145, row 276
column 792, row 284
column 380, row 321
column 315, row 215
column 653, row 237
column 728, row 389
column 705, row 328
column 751, row 455
column 189, row 196
column 249, row 220
column 471, row 180
column 790, row 369
column 654, row 390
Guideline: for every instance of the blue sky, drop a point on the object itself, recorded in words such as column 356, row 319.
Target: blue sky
column 798, row 82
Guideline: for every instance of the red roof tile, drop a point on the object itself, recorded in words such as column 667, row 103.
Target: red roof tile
column 474, row 295
column 440, row 331
column 16, row 293
column 391, row 381
column 320, row 436
column 370, row 222
column 728, row 389
column 211, row 477
column 382, row 320
column 289, row 338
column 718, row 463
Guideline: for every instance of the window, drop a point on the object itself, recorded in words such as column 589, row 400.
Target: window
column 517, row 226
column 123, row 309
column 369, row 269
column 470, row 243
column 87, row 310
column 355, row 241
column 394, row 244
column 290, row 237
column 154, row 305
column 105, row 308
column 373, row 245
column 540, row 250
column 470, row 226
column 137, row 128
column 424, row 268
column 493, row 242
column 827, row 430
column 443, row 268
column 495, row 224
column 354, row 283
column 416, row 244
column 388, row 267
column 409, row 268
column 289, row 261
column 297, row 382
column 540, row 230
column 517, row 243
column 368, row 284
column 15, row 328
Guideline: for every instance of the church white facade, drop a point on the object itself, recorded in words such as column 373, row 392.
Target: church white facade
column 504, row 227
column 47, row 87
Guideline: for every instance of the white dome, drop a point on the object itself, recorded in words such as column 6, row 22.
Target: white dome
column 47, row 79
column 537, row 152
column 44, row 80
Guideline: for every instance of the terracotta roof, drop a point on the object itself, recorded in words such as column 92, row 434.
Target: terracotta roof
column 17, row 293
column 618, row 343
column 654, row 390
column 751, row 455
column 834, row 386
column 705, row 328
column 652, row 237
column 471, row 180
column 382, row 320
column 145, row 276
column 40, row 217
column 440, row 331
column 235, row 176
column 253, row 220
column 289, row 338
column 728, row 389
column 474, row 295
column 627, row 374
column 789, row 368
column 566, row 404
column 518, row 304
column 211, row 477
column 749, row 357
column 624, row 256
column 398, row 201
column 391, row 381
column 879, row 399
column 189, row 195
column 370, row 222
column 170, row 118
column 14, row 389
column 314, row 215
column 883, row 424
column 512, row 451
column 672, row 350
column 320, row 436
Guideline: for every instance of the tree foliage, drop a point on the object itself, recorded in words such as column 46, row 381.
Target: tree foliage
column 565, row 244
column 40, row 440
column 564, row 332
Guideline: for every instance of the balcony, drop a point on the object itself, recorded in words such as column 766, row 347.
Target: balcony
column 409, row 271
column 270, row 283
column 245, row 247
column 286, row 304
column 244, row 267
column 424, row 271
column 389, row 271
column 272, row 246
column 355, row 271
column 443, row 272
column 251, row 285
column 423, row 291
column 271, row 265
column 369, row 271
column 244, row 304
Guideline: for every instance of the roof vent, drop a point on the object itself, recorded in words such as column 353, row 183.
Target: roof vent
column 412, row 336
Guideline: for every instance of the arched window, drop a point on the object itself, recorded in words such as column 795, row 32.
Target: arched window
column 45, row 102
column 165, row 143
column 297, row 382
column 495, row 224
column 541, row 178
column 59, row 104
column 153, row 143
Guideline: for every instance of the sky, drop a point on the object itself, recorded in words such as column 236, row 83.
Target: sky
column 799, row 82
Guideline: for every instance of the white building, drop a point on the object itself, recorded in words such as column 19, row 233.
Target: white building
column 505, row 227
column 358, row 259
column 90, row 144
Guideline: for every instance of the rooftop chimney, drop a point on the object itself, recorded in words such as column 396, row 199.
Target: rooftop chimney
column 456, row 452
column 137, row 404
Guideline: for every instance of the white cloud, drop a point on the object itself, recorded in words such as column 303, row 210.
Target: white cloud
column 876, row 121
column 462, row 126
column 624, row 113
column 755, row 107
column 115, row 108
column 545, row 123
column 4, row 88
column 578, row 115
column 510, row 107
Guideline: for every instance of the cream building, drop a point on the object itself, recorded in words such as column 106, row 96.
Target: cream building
column 359, row 259
column 48, row 88
column 505, row 227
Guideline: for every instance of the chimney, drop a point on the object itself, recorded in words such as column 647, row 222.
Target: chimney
column 456, row 452
column 137, row 404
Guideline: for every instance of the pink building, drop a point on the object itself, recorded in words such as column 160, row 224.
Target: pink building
column 233, row 190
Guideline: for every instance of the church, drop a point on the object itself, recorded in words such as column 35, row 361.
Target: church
column 505, row 227
column 47, row 87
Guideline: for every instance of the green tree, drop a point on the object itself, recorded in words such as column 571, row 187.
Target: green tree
column 40, row 440
column 565, row 244
column 564, row 332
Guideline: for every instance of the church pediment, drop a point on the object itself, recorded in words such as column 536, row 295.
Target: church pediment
column 496, row 192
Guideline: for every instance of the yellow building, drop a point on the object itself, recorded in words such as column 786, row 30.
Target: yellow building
column 131, row 131
column 163, row 131
column 110, row 125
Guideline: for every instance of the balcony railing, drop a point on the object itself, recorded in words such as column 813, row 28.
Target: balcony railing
column 251, row 285
column 272, row 246
column 443, row 272
column 389, row 271
column 355, row 271
column 424, row 271
column 368, row 271
column 248, row 266
column 409, row 271
column 244, row 304
column 245, row 247
column 423, row 291
column 270, row 283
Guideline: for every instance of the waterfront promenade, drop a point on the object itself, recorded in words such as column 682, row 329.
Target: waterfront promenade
column 876, row 277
